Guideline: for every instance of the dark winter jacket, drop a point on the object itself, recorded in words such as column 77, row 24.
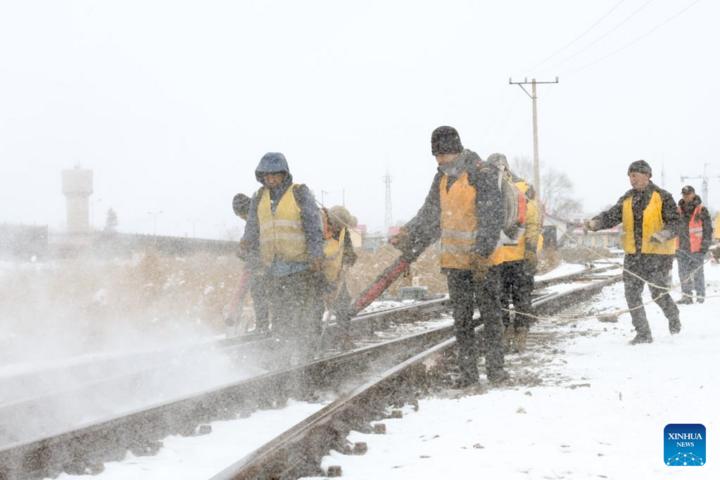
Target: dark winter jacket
column 640, row 200
column 424, row 229
column 309, row 214
column 686, row 211
column 349, row 256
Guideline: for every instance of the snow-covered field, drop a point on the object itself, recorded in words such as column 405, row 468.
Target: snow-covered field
column 598, row 411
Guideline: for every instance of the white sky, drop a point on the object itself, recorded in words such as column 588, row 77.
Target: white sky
column 173, row 103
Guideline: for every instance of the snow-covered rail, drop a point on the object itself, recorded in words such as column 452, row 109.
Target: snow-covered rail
column 298, row 451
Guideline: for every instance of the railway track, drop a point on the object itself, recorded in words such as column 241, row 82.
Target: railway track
column 86, row 447
column 298, row 451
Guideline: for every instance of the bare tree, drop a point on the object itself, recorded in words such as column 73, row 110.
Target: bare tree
column 556, row 188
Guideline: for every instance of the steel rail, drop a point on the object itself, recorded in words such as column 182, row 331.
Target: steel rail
column 297, row 452
column 87, row 447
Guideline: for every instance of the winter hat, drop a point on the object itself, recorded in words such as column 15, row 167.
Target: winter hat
column 688, row 189
column 640, row 166
column 241, row 205
column 271, row 162
column 445, row 140
column 341, row 217
column 498, row 160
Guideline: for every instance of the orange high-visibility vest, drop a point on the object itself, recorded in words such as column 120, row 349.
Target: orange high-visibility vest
column 458, row 223
column 695, row 230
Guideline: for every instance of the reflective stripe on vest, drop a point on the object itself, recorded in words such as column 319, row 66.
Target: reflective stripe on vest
column 333, row 252
column 651, row 224
column 281, row 232
column 695, row 230
column 458, row 223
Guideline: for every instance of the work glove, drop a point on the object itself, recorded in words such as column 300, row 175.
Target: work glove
column 400, row 240
column 591, row 225
column 480, row 267
column 661, row 236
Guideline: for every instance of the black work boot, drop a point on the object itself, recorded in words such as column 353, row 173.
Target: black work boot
column 674, row 324
column 497, row 376
column 685, row 300
column 641, row 338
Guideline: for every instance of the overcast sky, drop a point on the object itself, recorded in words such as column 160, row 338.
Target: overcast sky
column 172, row 103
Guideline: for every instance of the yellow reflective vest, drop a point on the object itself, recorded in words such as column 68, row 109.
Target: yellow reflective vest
column 458, row 223
column 651, row 224
column 333, row 252
column 534, row 225
column 281, row 232
column 515, row 251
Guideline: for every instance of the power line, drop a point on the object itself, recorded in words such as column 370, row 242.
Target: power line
column 603, row 36
column 588, row 30
column 637, row 39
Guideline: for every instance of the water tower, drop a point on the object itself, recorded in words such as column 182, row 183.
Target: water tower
column 77, row 186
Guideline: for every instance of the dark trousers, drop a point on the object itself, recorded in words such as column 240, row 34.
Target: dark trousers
column 342, row 305
column 692, row 273
column 465, row 292
column 517, row 286
column 260, row 292
column 295, row 314
column 651, row 269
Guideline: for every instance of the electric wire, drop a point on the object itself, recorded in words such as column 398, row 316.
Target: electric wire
column 574, row 40
column 606, row 34
column 637, row 39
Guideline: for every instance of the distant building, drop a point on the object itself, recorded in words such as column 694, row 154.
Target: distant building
column 23, row 241
column 373, row 241
column 608, row 239
column 77, row 186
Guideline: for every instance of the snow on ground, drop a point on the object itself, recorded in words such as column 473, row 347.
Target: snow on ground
column 204, row 456
column 591, row 407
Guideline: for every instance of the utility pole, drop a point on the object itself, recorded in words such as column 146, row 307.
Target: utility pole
column 705, row 178
column 388, row 202
column 533, row 97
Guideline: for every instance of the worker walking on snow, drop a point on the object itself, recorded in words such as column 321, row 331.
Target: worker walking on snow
column 284, row 239
column 650, row 224
column 339, row 257
column 517, row 262
column 693, row 243
column 464, row 210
